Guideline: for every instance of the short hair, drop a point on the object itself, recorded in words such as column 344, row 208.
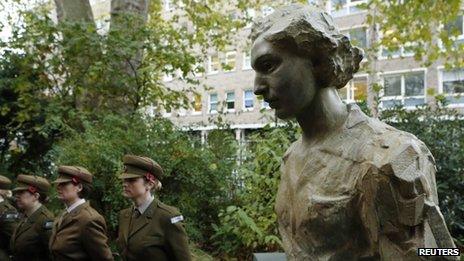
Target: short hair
column 43, row 198
column 315, row 35
column 157, row 186
column 86, row 190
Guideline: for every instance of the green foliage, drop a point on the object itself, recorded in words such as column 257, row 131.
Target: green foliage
column 196, row 178
column 250, row 224
column 31, row 121
column 55, row 76
column 442, row 130
column 418, row 27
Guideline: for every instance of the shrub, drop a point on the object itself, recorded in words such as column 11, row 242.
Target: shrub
column 195, row 177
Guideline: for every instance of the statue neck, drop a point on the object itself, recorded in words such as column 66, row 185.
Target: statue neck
column 326, row 114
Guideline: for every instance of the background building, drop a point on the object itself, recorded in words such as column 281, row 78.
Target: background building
column 230, row 77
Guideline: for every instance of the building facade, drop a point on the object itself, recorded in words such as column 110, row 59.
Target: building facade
column 230, row 95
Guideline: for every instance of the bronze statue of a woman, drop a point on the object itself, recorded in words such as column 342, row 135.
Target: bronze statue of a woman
column 352, row 187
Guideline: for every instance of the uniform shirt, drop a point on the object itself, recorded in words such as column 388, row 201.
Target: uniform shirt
column 145, row 205
column 157, row 234
column 30, row 239
column 80, row 235
column 8, row 222
column 75, row 205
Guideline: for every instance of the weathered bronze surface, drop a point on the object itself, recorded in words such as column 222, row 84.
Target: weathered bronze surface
column 352, row 187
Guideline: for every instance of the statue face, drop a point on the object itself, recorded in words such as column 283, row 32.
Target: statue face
column 285, row 80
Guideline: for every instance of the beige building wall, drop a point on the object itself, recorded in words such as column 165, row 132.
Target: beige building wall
column 400, row 71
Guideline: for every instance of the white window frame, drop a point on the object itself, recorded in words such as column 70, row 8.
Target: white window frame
column 402, row 97
column 246, row 56
column 182, row 112
column 210, row 64
column 244, row 100
column 227, row 101
column 346, row 31
column 346, row 6
column 226, row 60
column 441, row 69
column 350, row 88
column 209, row 103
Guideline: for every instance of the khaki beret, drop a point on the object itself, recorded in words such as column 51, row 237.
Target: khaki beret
column 137, row 166
column 31, row 183
column 73, row 173
column 5, row 183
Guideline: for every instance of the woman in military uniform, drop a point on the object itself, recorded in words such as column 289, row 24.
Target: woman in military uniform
column 30, row 239
column 8, row 217
column 79, row 233
column 150, row 230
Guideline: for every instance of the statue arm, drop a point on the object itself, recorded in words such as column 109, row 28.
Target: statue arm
column 399, row 209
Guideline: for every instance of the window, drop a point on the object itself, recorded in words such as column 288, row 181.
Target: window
column 246, row 60
column 248, row 100
column 452, row 85
column 230, row 100
column 403, row 89
column 229, row 61
column 213, row 103
column 213, row 64
column 456, row 31
column 197, row 103
column 398, row 50
column 358, row 36
column 344, row 7
column 455, row 27
column 355, row 90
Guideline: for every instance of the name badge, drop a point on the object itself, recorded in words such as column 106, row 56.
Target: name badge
column 177, row 219
column 9, row 216
column 48, row 225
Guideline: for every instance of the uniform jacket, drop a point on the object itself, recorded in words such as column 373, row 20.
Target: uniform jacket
column 80, row 235
column 8, row 221
column 157, row 234
column 30, row 239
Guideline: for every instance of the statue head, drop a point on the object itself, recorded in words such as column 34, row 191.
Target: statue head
column 298, row 50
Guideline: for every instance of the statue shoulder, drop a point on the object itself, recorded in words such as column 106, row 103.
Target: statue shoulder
column 290, row 149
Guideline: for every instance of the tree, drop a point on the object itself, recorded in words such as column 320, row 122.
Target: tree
column 427, row 29
column 69, row 71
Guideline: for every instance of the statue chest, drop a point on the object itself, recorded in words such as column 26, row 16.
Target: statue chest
column 317, row 201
